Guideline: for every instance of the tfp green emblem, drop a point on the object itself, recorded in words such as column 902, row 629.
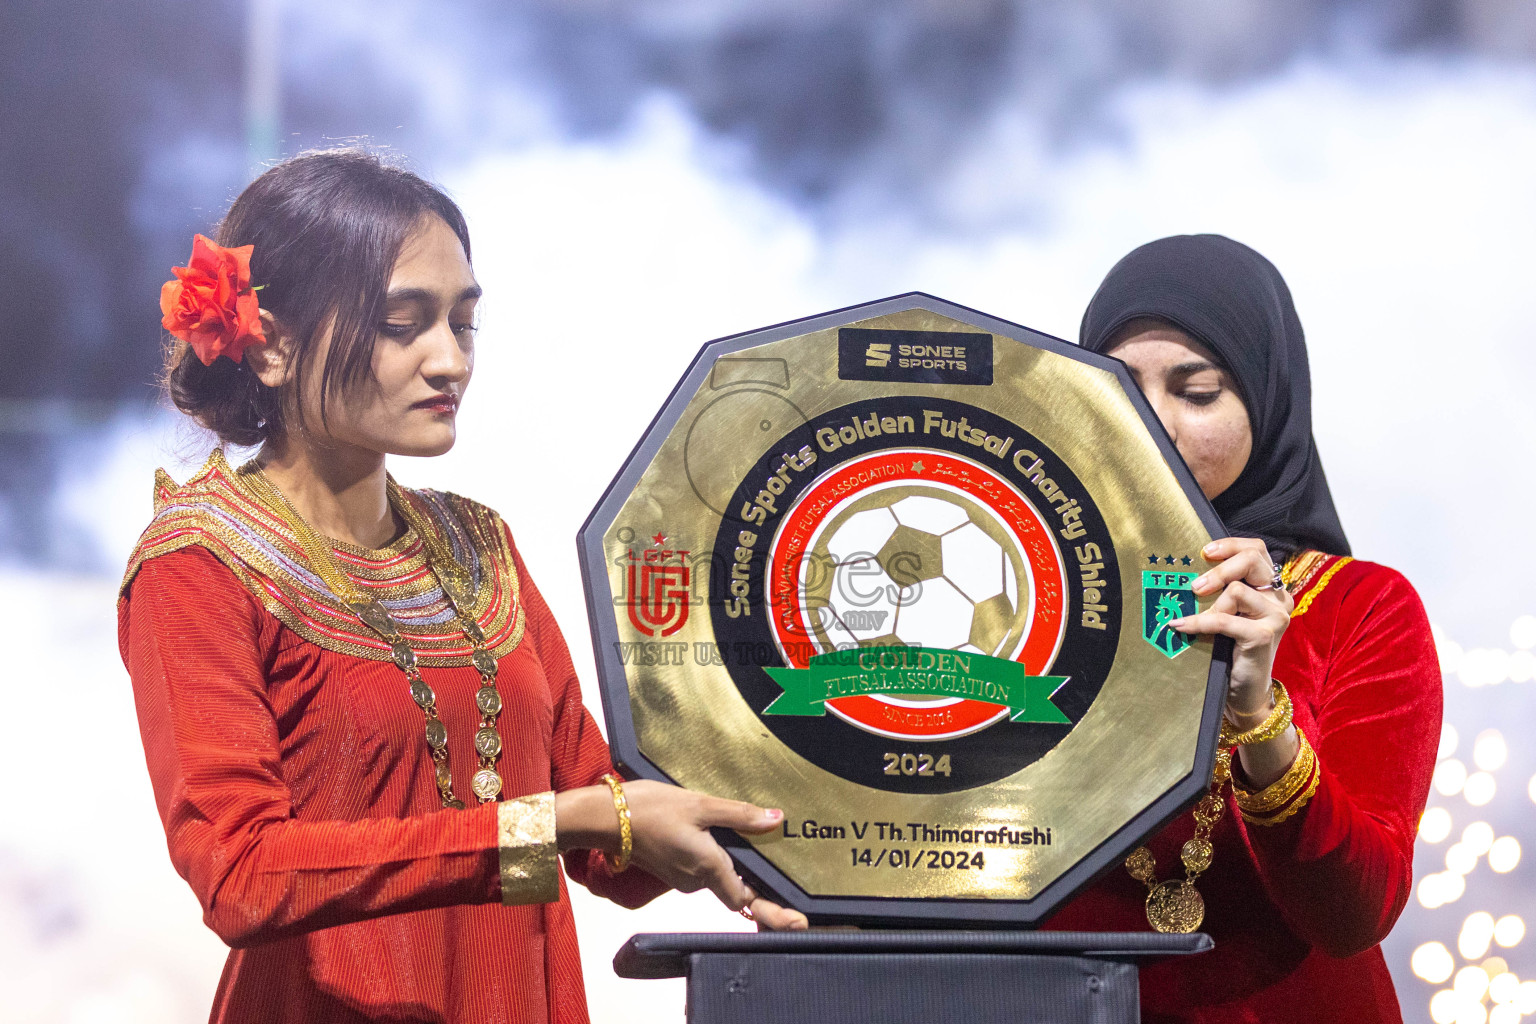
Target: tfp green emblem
column 1166, row 596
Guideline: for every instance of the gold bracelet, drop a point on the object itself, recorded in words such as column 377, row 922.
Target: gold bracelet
column 1300, row 802
column 1282, row 791
column 626, row 835
column 1278, row 721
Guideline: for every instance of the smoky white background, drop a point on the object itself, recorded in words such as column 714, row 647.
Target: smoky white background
column 1395, row 195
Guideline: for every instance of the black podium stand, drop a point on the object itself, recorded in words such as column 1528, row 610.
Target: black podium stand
column 906, row 977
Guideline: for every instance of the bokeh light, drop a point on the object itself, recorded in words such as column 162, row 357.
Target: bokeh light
column 1478, row 837
column 1471, row 983
column 1472, row 944
column 1522, row 632
column 1479, row 789
column 1509, row 930
column 1444, row 1006
column 1450, row 652
column 1460, row 858
column 1489, row 750
column 1435, row 825
column 1504, row 854
column 1451, row 776
column 1433, row 962
column 1483, row 666
column 1441, row 887
column 1448, row 741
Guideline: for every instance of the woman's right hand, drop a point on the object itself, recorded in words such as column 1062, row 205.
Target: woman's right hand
column 671, row 839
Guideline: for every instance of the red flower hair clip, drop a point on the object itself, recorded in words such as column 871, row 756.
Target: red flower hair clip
column 211, row 304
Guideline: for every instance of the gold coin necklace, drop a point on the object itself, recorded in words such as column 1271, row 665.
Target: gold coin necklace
column 458, row 586
column 1176, row 905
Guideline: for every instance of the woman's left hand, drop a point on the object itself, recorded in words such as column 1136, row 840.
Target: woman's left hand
column 1251, row 611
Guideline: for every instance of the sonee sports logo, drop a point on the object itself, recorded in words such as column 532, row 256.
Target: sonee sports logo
column 919, row 357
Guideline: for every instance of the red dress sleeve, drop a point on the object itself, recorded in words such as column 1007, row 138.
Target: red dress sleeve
column 196, row 643
column 1340, row 869
column 580, row 754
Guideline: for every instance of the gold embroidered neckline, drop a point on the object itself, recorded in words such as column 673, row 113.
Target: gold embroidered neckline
column 394, row 549
column 214, row 511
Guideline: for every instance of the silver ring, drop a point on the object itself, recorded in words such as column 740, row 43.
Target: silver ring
column 1278, row 583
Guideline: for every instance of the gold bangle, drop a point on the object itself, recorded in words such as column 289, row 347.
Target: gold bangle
column 1278, row 721
column 1300, row 802
column 1278, row 794
column 626, row 834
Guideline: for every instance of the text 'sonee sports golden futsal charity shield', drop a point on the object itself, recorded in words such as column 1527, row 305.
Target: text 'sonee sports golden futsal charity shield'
column 906, row 571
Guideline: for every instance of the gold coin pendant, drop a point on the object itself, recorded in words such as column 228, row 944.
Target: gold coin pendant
column 437, row 734
column 486, row 784
column 459, row 588
column 487, row 742
column 488, row 700
column 1175, row 906
column 377, row 619
column 1141, row 865
column 1197, row 854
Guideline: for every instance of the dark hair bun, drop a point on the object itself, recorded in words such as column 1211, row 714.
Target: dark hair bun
column 225, row 397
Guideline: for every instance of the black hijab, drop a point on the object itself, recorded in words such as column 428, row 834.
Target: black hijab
column 1235, row 303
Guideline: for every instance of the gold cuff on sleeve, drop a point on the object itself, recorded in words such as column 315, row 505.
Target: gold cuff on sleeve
column 525, row 837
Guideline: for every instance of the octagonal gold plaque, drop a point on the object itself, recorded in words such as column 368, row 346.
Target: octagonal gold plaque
column 906, row 571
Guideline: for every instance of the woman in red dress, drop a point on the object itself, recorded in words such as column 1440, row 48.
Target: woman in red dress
column 365, row 735
column 1310, row 850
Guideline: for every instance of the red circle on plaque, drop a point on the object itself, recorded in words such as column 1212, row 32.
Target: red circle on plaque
column 916, row 546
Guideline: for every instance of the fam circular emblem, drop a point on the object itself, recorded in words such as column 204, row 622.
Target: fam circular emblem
column 906, row 571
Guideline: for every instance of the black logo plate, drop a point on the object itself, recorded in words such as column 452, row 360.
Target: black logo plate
column 916, row 357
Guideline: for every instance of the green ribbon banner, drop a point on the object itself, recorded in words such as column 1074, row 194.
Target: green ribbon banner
column 921, row 671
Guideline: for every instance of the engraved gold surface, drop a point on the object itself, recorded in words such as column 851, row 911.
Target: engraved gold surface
column 1175, row 906
column 1196, row 854
column 488, row 700
column 486, row 783
column 1137, row 740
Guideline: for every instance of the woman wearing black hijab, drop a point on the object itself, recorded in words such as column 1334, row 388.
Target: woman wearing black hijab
column 1334, row 702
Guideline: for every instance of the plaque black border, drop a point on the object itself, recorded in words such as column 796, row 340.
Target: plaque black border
column 613, row 685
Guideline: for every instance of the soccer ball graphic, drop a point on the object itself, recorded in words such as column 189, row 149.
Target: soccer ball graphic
column 916, row 564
